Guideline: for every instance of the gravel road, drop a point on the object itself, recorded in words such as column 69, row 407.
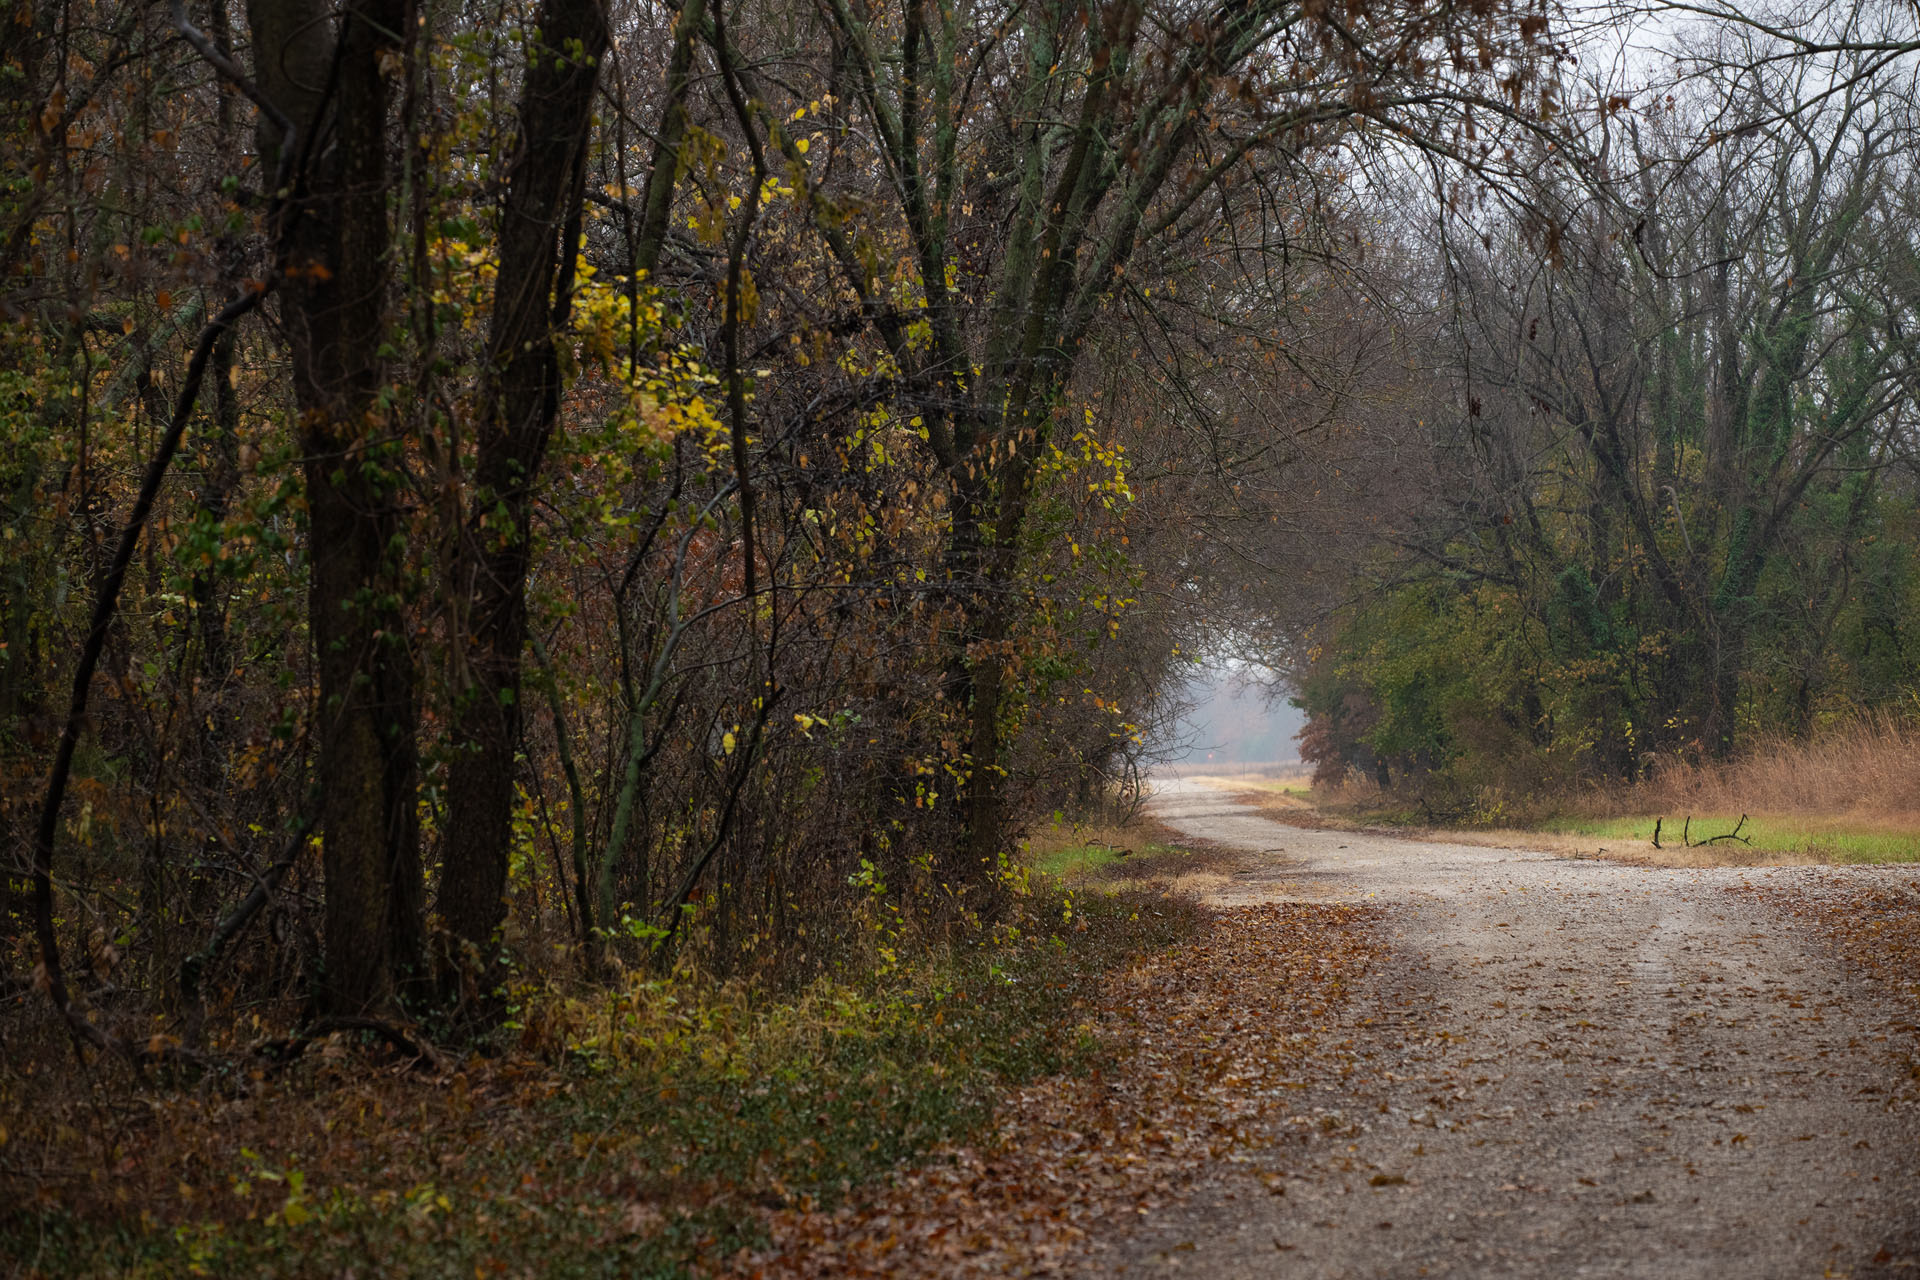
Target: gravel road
column 1566, row 1068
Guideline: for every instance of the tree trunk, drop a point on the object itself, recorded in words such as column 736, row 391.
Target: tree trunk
column 539, row 228
column 984, row 799
column 333, row 310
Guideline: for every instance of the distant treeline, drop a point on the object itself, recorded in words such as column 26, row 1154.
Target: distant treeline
column 1671, row 483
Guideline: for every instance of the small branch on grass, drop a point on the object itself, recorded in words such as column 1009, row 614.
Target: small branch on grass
column 1656, row 832
column 1686, row 838
column 1733, row 834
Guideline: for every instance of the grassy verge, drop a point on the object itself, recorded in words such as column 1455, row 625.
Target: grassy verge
column 1213, row 1038
column 1137, row 856
column 1075, row 862
column 1618, row 826
column 649, row 1131
column 1813, row 839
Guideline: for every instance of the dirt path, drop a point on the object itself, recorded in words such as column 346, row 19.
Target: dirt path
column 1565, row 1068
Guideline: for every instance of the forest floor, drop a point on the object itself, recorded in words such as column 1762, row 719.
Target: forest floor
column 1257, row 1049
column 1572, row 1067
column 986, row 1109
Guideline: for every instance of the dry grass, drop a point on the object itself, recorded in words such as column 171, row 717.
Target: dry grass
column 1639, row 853
column 1191, row 869
column 1866, row 770
column 1849, row 794
column 1635, row 850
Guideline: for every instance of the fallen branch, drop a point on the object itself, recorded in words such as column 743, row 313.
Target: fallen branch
column 1691, row 843
column 1733, row 834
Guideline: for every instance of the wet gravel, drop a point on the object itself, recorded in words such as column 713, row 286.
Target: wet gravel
column 1564, row 1068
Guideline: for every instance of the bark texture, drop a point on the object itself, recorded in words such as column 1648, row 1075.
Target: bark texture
column 539, row 230
column 326, row 73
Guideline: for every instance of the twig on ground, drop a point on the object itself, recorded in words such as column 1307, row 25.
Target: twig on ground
column 1686, row 838
column 1733, row 834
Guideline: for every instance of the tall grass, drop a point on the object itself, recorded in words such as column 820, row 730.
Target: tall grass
column 1865, row 770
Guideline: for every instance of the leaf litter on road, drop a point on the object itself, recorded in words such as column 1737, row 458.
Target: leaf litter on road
column 1203, row 1041
column 1874, row 927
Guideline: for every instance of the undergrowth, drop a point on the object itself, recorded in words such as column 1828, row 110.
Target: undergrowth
column 644, row 1130
column 1866, row 769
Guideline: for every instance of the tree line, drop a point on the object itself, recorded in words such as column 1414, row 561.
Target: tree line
column 1668, row 487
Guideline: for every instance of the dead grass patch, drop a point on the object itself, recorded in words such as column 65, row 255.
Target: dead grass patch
column 1849, row 794
column 1866, row 769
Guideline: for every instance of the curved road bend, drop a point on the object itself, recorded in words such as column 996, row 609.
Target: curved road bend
column 1565, row 1068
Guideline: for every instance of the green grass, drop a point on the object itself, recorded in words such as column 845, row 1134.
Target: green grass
column 1076, row 860
column 666, row 1119
column 1827, row 839
column 1079, row 861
